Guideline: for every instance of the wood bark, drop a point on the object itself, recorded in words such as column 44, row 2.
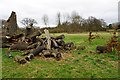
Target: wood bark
column 60, row 37
column 19, row 59
column 19, row 46
column 48, row 39
column 38, row 50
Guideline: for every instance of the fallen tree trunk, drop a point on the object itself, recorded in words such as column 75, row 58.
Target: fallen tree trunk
column 33, row 46
column 19, row 46
column 38, row 50
column 33, row 36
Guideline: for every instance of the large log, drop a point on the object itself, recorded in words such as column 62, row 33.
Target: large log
column 27, row 52
column 48, row 39
column 33, row 45
column 19, row 46
column 12, row 24
column 38, row 40
column 38, row 50
column 33, row 35
column 60, row 37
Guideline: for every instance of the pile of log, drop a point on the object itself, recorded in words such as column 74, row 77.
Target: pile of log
column 30, row 43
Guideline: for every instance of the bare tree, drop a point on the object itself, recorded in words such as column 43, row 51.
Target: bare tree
column 45, row 19
column 28, row 21
column 66, row 17
column 76, row 18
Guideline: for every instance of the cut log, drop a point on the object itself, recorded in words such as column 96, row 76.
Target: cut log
column 38, row 40
column 81, row 48
column 38, row 50
column 29, row 57
column 47, row 53
column 48, row 39
column 60, row 37
column 5, row 45
column 19, row 59
column 18, row 36
column 60, row 42
column 19, row 46
column 9, row 54
column 58, row 56
column 27, row 52
column 33, row 46
column 54, row 43
column 33, row 35
column 101, row 48
column 68, row 46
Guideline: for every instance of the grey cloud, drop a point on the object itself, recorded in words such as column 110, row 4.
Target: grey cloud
column 105, row 9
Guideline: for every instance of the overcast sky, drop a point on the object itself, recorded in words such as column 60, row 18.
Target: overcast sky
column 103, row 9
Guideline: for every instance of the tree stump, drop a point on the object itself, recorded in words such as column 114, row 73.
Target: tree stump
column 12, row 24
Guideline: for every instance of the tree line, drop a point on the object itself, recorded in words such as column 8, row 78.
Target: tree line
column 73, row 23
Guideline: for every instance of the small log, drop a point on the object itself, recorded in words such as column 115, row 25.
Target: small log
column 5, row 45
column 81, row 48
column 47, row 53
column 48, row 39
column 60, row 42
column 58, row 56
column 5, row 39
column 9, row 54
column 27, row 52
column 94, row 51
column 32, row 46
column 18, row 36
column 19, row 59
column 60, row 37
column 37, row 33
column 101, row 48
column 38, row 50
column 69, row 46
column 29, row 57
column 54, row 43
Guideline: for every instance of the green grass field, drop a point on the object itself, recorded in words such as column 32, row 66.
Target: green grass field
column 77, row 64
